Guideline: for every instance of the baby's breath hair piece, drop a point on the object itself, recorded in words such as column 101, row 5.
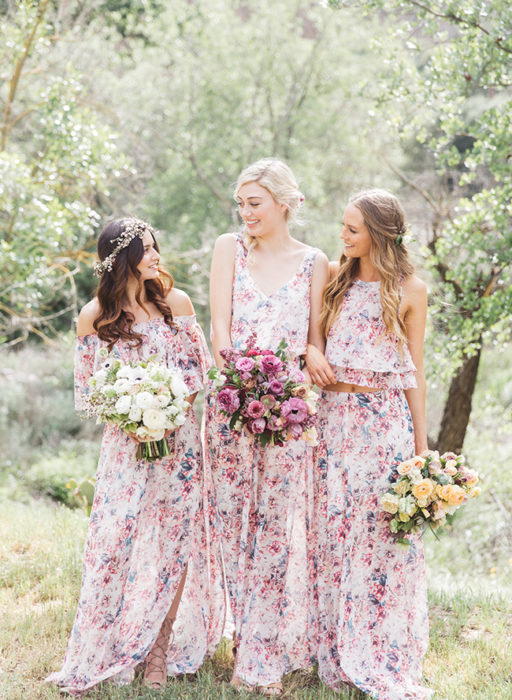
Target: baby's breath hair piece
column 133, row 228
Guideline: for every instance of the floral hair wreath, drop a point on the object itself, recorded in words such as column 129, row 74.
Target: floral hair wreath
column 133, row 228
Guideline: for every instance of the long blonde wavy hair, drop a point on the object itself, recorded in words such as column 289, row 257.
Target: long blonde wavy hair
column 276, row 177
column 384, row 219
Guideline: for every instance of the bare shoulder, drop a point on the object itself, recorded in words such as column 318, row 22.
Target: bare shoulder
column 334, row 266
column 321, row 260
column 415, row 287
column 87, row 316
column 180, row 303
column 414, row 293
column 225, row 243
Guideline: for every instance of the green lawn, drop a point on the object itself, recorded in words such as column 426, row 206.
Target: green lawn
column 470, row 655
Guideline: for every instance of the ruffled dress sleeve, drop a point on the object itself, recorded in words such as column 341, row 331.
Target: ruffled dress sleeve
column 85, row 359
column 193, row 359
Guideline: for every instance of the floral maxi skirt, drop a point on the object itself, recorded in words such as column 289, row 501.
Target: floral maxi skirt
column 372, row 624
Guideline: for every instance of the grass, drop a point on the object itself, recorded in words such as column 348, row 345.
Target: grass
column 469, row 569
column 470, row 656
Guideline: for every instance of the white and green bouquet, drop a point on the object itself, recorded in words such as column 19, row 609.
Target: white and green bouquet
column 146, row 399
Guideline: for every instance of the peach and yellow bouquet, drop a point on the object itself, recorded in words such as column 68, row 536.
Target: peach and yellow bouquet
column 428, row 490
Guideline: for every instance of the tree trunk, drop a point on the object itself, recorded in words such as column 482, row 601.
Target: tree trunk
column 457, row 409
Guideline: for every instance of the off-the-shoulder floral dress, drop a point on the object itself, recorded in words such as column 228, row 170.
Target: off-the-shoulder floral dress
column 263, row 495
column 148, row 522
column 372, row 597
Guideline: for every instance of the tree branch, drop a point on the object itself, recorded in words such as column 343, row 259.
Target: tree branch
column 452, row 17
column 13, row 83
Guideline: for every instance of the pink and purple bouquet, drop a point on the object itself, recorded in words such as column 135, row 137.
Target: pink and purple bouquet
column 266, row 395
column 428, row 490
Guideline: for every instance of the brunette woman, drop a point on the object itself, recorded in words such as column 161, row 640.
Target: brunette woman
column 147, row 561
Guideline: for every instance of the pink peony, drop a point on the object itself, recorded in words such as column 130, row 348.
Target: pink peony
column 271, row 364
column 295, row 430
column 257, row 426
column 255, row 409
column 244, row 364
column 227, row 400
column 294, row 410
column 276, row 387
column 296, row 375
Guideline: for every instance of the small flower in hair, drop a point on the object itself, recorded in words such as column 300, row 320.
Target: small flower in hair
column 401, row 233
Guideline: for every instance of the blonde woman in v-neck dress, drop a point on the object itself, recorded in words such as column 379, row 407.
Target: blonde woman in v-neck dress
column 263, row 281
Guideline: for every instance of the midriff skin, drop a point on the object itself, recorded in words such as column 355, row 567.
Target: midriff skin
column 349, row 388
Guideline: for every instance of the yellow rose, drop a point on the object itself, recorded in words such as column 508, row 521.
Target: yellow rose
column 405, row 467
column 423, row 488
column 401, row 487
column 455, row 495
column 389, row 503
column 418, row 462
column 404, row 518
column 475, row 491
column 443, row 491
column 470, row 477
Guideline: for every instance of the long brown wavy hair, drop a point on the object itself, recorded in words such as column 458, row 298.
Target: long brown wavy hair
column 113, row 323
column 384, row 219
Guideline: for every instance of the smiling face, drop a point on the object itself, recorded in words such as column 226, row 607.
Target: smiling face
column 148, row 266
column 355, row 234
column 259, row 210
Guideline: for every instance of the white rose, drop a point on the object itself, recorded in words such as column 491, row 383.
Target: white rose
column 144, row 400
column 154, row 419
column 162, row 400
column 121, row 386
column 125, row 373
column 123, row 404
column 100, row 377
column 135, row 414
column 178, row 386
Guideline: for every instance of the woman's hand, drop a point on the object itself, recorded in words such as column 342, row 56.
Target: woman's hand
column 136, row 438
column 319, row 369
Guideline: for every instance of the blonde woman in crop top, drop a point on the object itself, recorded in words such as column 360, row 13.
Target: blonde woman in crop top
column 372, row 599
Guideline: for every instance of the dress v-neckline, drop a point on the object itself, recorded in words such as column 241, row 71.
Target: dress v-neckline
column 283, row 286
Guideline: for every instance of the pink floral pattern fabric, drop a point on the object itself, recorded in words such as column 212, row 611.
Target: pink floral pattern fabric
column 360, row 349
column 148, row 522
column 372, row 621
column 262, row 496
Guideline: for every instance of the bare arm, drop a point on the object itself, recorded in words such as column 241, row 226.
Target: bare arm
column 221, row 290
column 415, row 298
column 319, row 369
column 87, row 316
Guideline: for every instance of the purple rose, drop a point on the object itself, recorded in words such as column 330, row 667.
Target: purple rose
column 294, row 410
column 295, row 430
column 257, row 426
column 268, row 401
column 276, row 387
column 244, row 364
column 255, row 409
column 271, row 364
column 274, row 423
column 227, row 400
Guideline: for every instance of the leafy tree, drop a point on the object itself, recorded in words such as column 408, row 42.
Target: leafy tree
column 446, row 93
column 56, row 163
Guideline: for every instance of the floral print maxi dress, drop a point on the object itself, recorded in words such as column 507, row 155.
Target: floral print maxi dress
column 372, row 602
column 262, row 495
column 148, row 522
